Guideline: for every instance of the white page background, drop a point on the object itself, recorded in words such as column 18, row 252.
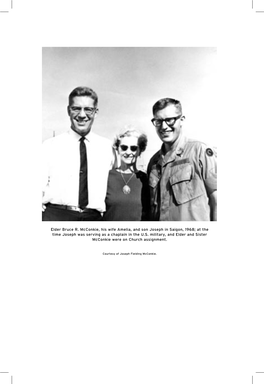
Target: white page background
column 194, row 312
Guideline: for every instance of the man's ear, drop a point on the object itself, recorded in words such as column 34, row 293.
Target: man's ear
column 96, row 112
column 68, row 110
column 182, row 121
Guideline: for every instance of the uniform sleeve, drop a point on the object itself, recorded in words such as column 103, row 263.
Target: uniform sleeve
column 208, row 165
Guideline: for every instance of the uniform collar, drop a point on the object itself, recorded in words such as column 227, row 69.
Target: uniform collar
column 176, row 151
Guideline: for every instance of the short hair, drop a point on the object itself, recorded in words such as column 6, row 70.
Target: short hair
column 163, row 103
column 142, row 139
column 83, row 91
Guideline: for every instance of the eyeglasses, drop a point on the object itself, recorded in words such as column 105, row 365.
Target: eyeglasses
column 133, row 148
column 170, row 121
column 87, row 111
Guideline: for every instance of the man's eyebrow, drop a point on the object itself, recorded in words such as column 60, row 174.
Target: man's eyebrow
column 77, row 106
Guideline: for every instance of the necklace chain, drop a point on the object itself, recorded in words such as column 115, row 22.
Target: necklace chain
column 126, row 188
column 126, row 182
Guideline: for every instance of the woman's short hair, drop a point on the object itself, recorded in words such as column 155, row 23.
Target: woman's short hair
column 142, row 139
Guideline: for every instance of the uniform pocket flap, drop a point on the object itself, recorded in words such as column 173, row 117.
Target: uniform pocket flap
column 185, row 186
column 181, row 174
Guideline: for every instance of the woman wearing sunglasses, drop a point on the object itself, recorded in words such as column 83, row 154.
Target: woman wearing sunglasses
column 127, row 186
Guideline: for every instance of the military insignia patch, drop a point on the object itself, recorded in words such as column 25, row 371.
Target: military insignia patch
column 209, row 152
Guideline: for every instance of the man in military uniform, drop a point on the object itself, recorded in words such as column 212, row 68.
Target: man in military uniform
column 182, row 174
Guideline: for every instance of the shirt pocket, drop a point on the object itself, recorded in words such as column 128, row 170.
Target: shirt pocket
column 185, row 186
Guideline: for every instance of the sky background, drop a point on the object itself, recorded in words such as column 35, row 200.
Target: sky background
column 128, row 82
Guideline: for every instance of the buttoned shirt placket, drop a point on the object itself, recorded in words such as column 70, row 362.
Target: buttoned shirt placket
column 166, row 162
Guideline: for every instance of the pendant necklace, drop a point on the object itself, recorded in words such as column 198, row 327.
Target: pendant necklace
column 126, row 188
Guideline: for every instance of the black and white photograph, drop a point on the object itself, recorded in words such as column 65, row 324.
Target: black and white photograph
column 133, row 109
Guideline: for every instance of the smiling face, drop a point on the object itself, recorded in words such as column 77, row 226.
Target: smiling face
column 82, row 113
column 128, row 150
column 169, row 134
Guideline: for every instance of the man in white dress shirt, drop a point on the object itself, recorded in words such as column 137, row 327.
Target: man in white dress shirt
column 66, row 159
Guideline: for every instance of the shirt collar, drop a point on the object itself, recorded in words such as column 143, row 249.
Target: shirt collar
column 75, row 136
column 177, row 150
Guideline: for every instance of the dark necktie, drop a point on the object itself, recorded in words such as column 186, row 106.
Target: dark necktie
column 83, row 184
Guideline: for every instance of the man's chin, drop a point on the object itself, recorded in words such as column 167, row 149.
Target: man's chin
column 81, row 130
column 166, row 139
